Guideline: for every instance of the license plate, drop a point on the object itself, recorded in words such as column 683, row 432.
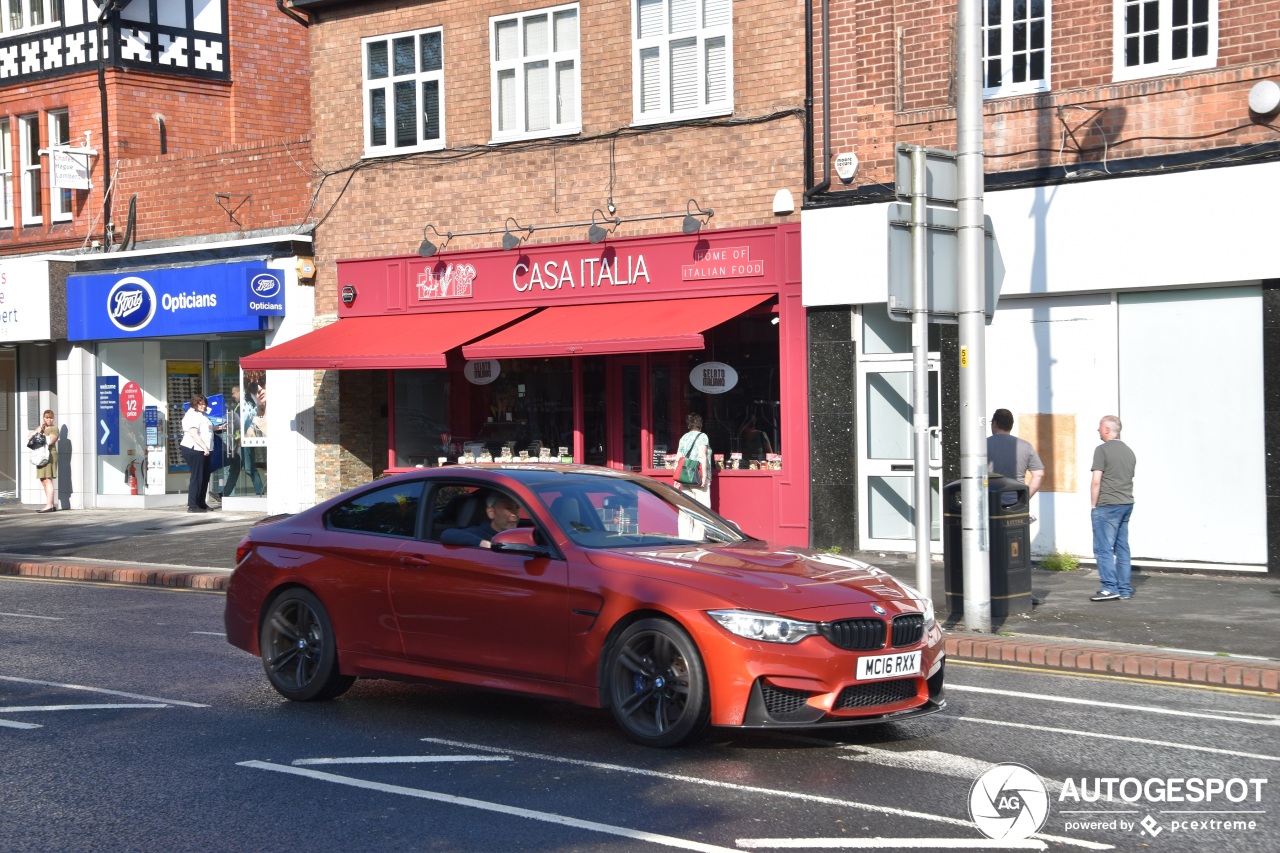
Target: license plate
column 888, row 666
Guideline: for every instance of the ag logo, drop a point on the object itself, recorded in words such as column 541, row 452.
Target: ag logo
column 131, row 303
column 1008, row 801
column 265, row 285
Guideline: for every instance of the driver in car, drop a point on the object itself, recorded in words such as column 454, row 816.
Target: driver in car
column 504, row 514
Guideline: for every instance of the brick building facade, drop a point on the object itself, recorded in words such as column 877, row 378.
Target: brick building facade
column 1115, row 136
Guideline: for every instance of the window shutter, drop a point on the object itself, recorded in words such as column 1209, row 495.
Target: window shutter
column 649, row 18
column 716, row 13
column 684, row 75
column 684, row 15
column 717, row 76
column 650, row 81
column 566, row 86
column 506, row 100
column 537, row 101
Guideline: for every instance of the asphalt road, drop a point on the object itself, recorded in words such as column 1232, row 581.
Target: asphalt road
column 127, row 722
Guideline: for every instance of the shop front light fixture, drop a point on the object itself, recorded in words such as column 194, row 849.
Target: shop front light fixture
column 692, row 224
column 511, row 241
column 426, row 248
column 597, row 232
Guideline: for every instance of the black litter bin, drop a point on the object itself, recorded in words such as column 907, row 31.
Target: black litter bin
column 1009, row 544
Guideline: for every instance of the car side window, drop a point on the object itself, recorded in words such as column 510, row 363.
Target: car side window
column 390, row 511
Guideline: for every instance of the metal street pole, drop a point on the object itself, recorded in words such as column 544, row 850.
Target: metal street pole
column 920, row 367
column 972, row 321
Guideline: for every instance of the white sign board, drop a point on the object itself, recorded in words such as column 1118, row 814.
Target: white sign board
column 24, row 301
column 70, row 169
column 482, row 371
column 713, row 377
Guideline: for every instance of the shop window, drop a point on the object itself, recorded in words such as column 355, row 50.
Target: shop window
column 59, row 134
column 534, row 68
column 1015, row 47
column 404, row 92
column 421, row 419
column 1154, row 37
column 32, row 193
column 6, row 175
column 389, row 511
column 682, row 59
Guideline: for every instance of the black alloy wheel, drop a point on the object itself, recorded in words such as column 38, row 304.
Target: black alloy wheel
column 658, row 685
column 299, row 651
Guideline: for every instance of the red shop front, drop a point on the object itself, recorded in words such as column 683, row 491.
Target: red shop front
column 596, row 352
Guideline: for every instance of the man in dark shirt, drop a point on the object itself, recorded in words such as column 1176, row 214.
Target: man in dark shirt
column 504, row 514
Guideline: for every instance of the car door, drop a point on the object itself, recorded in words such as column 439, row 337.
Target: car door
column 481, row 610
column 360, row 547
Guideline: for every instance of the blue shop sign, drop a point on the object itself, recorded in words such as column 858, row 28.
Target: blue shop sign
column 182, row 301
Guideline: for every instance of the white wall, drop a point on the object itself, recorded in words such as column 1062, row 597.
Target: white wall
column 1189, row 228
column 290, row 406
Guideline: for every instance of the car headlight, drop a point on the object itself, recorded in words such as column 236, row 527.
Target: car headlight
column 926, row 604
column 765, row 627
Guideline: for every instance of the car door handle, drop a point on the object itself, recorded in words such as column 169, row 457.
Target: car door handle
column 414, row 560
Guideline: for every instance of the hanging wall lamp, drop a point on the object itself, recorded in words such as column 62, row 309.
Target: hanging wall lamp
column 692, row 225
column 426, row 248
column 511, row 241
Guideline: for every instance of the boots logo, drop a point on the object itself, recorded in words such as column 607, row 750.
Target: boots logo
column 131, row 303
column 265, row 286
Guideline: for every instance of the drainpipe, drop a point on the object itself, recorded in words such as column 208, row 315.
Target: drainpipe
column 292, row 14
column 110, row 7
column 826, row 99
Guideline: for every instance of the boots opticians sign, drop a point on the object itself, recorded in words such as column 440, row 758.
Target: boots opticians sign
column 164, row 302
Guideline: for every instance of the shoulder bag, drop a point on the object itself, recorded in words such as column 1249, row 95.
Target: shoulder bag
column 689, row 469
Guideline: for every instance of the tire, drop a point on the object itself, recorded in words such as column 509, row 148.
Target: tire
column 299, row 650
column 658, row 685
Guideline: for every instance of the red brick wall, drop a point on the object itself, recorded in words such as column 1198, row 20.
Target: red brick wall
column 893, row 81
column 246, row 136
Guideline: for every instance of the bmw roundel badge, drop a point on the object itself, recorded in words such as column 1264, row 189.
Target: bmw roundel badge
column 878, row 609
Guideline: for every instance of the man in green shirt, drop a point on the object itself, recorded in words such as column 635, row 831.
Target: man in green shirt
column 1111, row 495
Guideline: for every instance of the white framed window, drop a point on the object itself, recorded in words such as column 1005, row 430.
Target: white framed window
column 60, row 199
column 6, row 175
column 1015, row 47
column 681, row 59
column 533, row 66
column 403, row 92
column 29, row 153
column 19, row 15
column 1154, row 37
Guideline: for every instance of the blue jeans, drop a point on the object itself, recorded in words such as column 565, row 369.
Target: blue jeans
column 1111, row 547
column 243, row 460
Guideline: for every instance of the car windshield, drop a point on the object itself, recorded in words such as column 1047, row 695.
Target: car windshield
column 621, row 512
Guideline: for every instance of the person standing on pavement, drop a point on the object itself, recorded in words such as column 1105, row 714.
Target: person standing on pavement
column 1010, row 456
column 196, row 445
column 1111, row 496
column 48, row 472
column 695, row 445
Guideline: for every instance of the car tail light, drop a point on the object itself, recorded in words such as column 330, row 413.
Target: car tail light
column 242, row 550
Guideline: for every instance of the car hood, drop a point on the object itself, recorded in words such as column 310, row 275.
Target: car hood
column 756, row 575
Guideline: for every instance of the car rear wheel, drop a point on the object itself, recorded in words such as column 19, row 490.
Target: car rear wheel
column 299, row 651
column 658, row 685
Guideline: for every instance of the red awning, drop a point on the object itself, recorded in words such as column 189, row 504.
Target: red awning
column 612, row 328
column 383, row 342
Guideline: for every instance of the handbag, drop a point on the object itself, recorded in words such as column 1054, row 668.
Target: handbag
column 40, row 455
column 37, row 440
column 688, row 469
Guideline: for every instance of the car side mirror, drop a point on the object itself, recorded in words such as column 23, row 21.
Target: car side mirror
column 519, row 540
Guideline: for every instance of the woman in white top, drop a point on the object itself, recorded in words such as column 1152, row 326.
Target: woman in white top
column 196, row 445
column 695, row 445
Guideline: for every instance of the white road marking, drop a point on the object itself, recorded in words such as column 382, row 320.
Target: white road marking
column 211, row 633
column 101, row 690
column 929, row 761
column 1146, row 709
column 889, row 844
column 31, row 709
column 514, row 811
column 752, row 789
column 1124, row 738
column 29, row 616
column 399, row 759
column 9, row 724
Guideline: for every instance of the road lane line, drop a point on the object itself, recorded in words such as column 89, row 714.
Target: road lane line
column 398, row 759
column 31, row 709
column 10, row 724
column 29, row 616
column 211, row 633
column 1146, row 709
column 101, row 690
column 929, row 761
column 889, row 844
column 1127, row 739
column 751, row 789
column 514, row 811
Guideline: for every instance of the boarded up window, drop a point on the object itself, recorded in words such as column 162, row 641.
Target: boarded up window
column 1054, row 438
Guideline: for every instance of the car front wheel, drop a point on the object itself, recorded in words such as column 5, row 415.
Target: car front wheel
column 299, row 651
column 657, row 683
